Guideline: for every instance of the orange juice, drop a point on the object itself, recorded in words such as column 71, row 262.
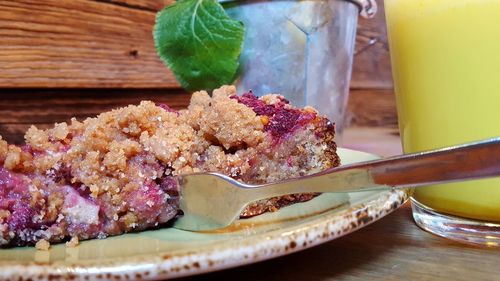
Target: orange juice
column 446, row 63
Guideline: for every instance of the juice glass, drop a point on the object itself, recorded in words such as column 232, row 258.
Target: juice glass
column 445, row 57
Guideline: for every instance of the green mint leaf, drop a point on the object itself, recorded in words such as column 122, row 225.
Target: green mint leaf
column 199, row 42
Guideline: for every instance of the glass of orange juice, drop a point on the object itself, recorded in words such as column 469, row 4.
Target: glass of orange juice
column 445, row 57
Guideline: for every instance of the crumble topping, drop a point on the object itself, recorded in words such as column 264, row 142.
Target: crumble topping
column 4, row 148
column 226, row 121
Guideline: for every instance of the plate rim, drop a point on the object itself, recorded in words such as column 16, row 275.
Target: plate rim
column 253, row 249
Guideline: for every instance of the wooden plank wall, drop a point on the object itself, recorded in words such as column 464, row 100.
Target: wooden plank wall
column 63, row 58
column 371, row 101
column 80, row 44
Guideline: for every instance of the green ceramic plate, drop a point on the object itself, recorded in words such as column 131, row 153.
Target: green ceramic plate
column 168, row 253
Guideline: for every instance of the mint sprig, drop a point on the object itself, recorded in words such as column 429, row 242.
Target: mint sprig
column 199, row 42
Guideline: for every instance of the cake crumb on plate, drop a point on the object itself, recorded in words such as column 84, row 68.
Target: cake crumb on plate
column 42, row 245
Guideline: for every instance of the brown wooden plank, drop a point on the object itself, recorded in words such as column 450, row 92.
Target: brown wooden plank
column 14, row 133
column 43, row 107
column 372, row 67
column 366, row 107
column 376, row 107
column 152, row 5
column 108, row 43
column 77, row 43
column 19, row 109
column 56, row 105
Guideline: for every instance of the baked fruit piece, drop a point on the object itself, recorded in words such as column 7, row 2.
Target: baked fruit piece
column 114, row 173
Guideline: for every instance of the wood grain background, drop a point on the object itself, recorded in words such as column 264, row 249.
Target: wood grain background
column 85, row 56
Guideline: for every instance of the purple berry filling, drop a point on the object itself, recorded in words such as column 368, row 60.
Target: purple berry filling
column 282, row 120
column 14, row 197
column 287, row 121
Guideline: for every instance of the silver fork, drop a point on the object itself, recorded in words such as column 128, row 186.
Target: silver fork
column 211, row 201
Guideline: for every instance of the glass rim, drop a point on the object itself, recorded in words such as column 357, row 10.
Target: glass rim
column 367, row 8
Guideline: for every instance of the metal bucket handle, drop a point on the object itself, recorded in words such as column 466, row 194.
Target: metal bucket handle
column 368, row 8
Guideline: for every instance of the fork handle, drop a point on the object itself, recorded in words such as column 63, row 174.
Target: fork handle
column 464, row 162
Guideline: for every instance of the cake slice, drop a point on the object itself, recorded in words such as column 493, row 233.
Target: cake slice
column 114, row 173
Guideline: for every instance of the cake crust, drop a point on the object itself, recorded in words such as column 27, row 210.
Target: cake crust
column 114, row 173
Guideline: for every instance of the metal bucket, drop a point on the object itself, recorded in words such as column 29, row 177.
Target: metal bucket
column 300, row 49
